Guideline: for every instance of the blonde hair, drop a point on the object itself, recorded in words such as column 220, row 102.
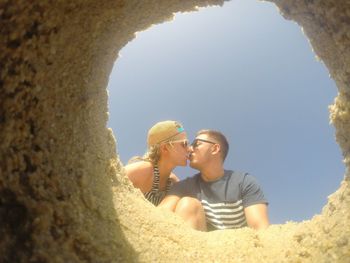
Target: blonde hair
column 152, row 155
column 161, row 132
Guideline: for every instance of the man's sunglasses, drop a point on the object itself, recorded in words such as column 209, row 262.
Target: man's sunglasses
column 194, row 144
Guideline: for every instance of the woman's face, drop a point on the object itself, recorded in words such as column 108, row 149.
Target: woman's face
column 179, row 149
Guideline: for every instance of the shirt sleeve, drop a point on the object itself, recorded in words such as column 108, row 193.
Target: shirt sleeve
column 251, row 192
column 181, row 188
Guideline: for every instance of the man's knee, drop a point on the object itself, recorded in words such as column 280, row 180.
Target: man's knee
column 169, row 203
column 189, row 205
column 191, row 210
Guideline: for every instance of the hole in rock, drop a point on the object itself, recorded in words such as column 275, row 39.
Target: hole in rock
column 248, row 72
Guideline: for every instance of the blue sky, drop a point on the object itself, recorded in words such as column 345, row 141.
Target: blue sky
column 246, row 71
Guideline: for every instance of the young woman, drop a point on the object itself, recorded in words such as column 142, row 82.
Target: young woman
column 167, row 148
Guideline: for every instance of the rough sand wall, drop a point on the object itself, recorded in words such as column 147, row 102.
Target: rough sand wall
column 63, row 196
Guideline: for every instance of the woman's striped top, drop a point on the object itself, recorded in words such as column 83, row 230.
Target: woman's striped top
column 155, row 196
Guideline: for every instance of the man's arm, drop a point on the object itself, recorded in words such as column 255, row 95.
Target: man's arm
column 174, row 178
column 257, row 216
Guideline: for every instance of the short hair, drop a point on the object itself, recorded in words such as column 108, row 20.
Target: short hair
column 220, row 138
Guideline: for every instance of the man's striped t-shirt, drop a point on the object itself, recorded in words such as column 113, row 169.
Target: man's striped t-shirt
column 223, row 200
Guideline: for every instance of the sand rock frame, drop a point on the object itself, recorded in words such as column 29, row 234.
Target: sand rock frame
column 63, row 194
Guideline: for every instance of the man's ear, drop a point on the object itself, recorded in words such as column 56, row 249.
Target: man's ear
column 216, row 149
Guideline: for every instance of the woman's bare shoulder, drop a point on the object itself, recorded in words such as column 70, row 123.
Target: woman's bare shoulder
column 139, row 173
column 138, row 165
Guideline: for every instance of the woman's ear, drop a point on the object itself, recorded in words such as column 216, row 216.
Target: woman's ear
column 164, row 148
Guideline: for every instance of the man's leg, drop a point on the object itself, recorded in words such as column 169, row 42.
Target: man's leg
column 191, row 210
column 169, row 202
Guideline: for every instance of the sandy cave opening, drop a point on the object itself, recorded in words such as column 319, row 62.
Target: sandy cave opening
column 154, row 94
column 78, row 206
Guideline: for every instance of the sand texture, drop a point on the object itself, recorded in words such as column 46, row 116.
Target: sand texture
column 63, row 193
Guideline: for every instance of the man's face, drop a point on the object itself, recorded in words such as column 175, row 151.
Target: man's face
column 200, row 151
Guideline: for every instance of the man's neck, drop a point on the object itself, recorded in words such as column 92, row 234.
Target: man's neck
column 212, row 173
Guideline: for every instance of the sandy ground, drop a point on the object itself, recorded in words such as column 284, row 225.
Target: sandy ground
column 63, row 194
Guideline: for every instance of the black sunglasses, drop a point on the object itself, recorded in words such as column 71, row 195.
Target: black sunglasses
column 194, row 144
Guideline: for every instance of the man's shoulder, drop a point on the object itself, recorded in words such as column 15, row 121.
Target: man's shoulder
column 186, row 187
column 240, row 178
column 190, row 179
column 236, row 175
column 187, row 183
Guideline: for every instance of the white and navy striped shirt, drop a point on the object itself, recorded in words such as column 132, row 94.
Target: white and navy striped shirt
column 223, row 200
column 224, row 215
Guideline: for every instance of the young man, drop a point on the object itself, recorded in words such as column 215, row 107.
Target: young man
column 216, row 198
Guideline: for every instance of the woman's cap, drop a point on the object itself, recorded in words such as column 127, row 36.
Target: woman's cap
column 163, row 131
